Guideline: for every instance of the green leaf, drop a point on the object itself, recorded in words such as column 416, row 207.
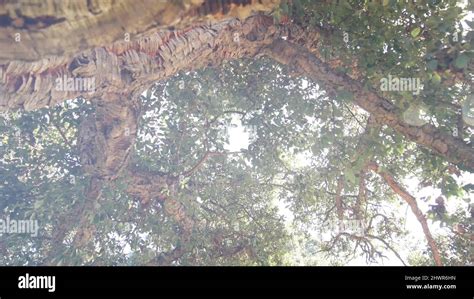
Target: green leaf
column 277, row 16
column 436, row 78
column 461, row 61
column 38, row 204
column 350, row 176
column 285, row 8
column 345, row 95
column 432, row 64
column 346, row 4
column 415, row 32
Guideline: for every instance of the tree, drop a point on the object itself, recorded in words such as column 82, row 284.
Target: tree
column 329, row 92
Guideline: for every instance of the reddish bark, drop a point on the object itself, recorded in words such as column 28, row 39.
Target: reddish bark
column 411, row 201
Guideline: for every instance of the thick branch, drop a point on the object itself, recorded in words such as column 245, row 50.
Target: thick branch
column 129, row 67
column 454, row 150
column 106, row 137
column 398, row 189
column 66, row 27
column 147, row 187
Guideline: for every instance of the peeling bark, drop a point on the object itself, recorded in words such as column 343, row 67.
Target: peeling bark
column 131, row 67
column 106, row 137
column 147, row 187
column 65, row 27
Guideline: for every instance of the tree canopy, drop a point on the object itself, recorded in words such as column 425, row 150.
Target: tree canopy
column 253, row 133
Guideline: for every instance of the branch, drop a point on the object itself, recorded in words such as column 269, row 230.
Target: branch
column 385, row 113
column 78, row 215
column 154, row 56
column 59, row 130
column 361, row 198
column 167, row 258
column 106, row 138
column 86, row 229
column 398, row 189
column 353, row 115
column 79, row 24
column 201, row 162
column 227, row 112
column 339, row 207
column 389, row 247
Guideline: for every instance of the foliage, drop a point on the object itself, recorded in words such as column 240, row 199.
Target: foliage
column 272, row 200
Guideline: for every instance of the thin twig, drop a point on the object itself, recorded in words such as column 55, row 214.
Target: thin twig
column 59, row 130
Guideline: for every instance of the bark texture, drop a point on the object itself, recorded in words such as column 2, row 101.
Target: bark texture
column 106, row 137
column 65, row 27
column 130, row 67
